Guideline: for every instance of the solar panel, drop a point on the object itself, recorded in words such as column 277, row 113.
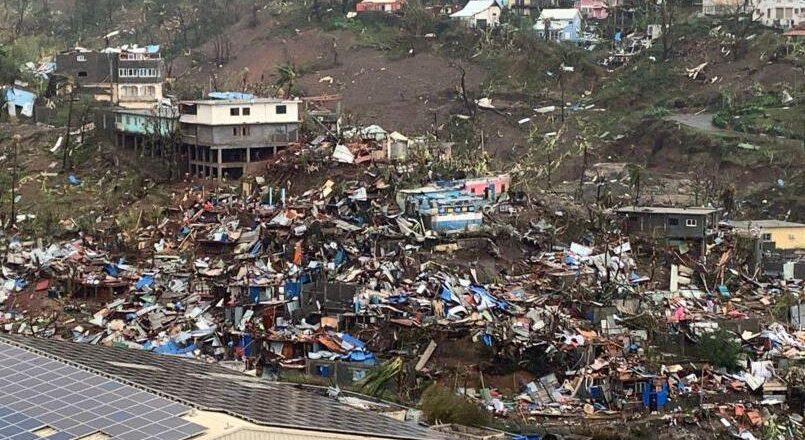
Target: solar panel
column 37, row 392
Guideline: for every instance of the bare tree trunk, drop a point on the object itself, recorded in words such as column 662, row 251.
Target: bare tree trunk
column 67, row 136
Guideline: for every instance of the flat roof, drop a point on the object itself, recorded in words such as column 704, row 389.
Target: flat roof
column 211, row 387
column 764, row 224
column 167, row 112
column 695, row 210
column 241, row 101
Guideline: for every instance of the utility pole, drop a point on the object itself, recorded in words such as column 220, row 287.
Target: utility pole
column 14, row 176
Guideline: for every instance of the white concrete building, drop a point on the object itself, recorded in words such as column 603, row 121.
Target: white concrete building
column 230, row 137
column 784, row 14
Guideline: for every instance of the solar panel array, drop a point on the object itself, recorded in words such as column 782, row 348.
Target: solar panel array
column 38, row 392
column 211, row 387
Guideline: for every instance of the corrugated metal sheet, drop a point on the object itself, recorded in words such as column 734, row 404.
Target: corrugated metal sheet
column 280, row 434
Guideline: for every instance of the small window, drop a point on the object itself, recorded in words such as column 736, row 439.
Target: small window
column 245, row 131
column 281, row 109
column 234, row 111
column 766, row 237
column 82, row 74
column 80, row 58
column 673, row 221
column 246, row 111
column 690, row 222
column 235, row 131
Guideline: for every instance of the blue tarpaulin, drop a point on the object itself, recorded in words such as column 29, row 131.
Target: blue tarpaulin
column 169, row 347
column 485, row 298
column 448, row 295
column 111, row 269
column 145, row 280
column 353, row 341
column 254, row 293
column 152, row 48
column 487, row 338
column 340, row 257
column 659, row 397
column 293, row 289
column 246, row 341
column 73, row 180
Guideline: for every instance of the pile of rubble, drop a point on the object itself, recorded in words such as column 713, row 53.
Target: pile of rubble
column 319, row 282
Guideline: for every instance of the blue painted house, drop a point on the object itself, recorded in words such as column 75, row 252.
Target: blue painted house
column 146, row 122
column 560, row 25
column 443, row 209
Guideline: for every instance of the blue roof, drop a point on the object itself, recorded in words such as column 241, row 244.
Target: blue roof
column 230, row 95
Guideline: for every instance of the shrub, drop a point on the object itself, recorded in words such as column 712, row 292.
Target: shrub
column 441, row 405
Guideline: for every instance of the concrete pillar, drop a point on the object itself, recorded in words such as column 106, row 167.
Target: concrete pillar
column 248, row 154
column 220, row 160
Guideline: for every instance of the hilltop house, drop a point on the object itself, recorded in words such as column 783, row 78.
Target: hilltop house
column 779, row 246
column 723, row 7
column 224, row 137
column 559, row 25
column 132, row 127
column 129, row 76
column 379, row 6
column 480, row 14
column 784, row 235
column 594, row 9
column 678, row 226
column 18, row 101
column 783, row 14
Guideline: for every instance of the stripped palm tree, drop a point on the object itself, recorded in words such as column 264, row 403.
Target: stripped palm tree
column 287, row 79
column 375, row 382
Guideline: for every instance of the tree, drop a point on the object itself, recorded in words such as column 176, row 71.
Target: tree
column 667, row 25
column 287, row 79
column 416, row 19
column 462, row 84
column 742, row 21
column 21, row 9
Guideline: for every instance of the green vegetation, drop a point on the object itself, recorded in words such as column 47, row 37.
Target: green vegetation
column 762, row 113
column 720, row 349
column 442, row 405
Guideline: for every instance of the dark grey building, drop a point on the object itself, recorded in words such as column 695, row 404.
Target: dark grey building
column 676, row 225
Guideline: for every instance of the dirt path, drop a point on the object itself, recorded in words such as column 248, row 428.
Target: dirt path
column 701, row 121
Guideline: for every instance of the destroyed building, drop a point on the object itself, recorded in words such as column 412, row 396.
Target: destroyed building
column 228, row 137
